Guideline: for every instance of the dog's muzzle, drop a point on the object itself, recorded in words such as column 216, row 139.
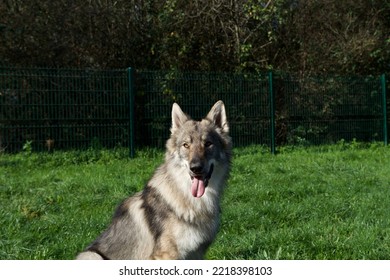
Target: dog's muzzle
column 199, row 183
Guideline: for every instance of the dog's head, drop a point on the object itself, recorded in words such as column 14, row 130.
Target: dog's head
column 202, row 146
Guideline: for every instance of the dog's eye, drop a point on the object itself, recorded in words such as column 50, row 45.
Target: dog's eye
column 208, row 144
column 186, row 145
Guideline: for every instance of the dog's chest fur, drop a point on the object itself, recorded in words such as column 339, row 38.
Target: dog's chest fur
column 192, row 238
column 191, row 222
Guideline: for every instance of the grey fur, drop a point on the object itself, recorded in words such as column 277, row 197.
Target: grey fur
column 177, row 214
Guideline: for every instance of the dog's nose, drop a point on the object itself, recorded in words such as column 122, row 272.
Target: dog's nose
column 196, row 167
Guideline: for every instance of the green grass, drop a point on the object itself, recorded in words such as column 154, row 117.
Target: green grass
column 329, row 202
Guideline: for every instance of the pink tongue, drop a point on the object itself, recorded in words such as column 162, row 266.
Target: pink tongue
column 197, row 187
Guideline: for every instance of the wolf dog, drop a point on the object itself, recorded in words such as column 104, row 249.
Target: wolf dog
column 177, row 214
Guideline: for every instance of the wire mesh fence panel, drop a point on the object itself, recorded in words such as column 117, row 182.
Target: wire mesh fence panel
column 48, row 109
column 318, row 110
column 63, row 109
column 245, row 98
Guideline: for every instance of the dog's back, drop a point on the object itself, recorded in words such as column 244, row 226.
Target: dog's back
column 176, row 216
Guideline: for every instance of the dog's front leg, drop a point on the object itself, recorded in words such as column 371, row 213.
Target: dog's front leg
column 165, row 249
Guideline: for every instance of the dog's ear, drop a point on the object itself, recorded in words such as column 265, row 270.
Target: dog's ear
column 178, row 117
column 217, row 115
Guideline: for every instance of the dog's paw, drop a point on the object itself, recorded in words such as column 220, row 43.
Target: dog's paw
column 88, row 255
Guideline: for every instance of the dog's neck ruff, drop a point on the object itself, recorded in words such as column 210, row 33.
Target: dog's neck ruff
column 199, row 184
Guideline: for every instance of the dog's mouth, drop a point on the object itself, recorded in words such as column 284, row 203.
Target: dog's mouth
column 200, row 182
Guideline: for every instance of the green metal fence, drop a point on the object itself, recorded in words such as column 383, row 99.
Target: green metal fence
column 63, row 109
column 244, row 95
column 317, row 110
column 270, row 109
column 73, row 109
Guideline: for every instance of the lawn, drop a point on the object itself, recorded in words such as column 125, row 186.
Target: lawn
column 328, row 202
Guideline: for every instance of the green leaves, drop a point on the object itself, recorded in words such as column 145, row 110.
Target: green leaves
column 343, row 37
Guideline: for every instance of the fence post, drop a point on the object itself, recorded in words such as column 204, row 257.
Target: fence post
column 384, row 107
column 272, row 111
column 130, row 80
